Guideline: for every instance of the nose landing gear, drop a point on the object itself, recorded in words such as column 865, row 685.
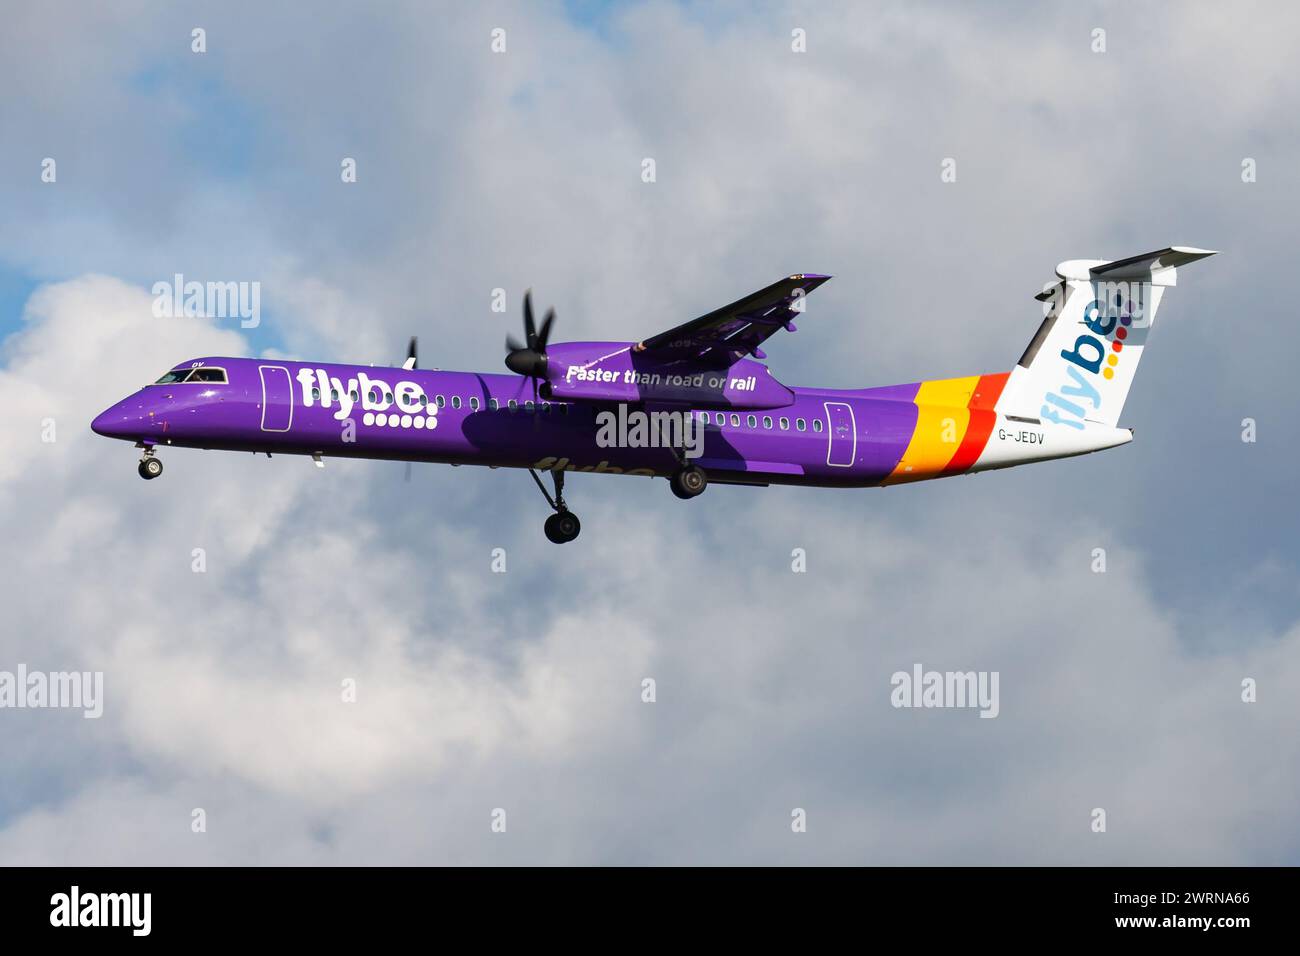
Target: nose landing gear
column 563, row 526
column 150, row 466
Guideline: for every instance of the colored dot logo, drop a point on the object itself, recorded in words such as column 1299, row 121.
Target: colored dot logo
column 1121, row 333
column 383, row 420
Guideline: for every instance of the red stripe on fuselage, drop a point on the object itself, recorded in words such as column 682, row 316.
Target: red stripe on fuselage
column 982, row 419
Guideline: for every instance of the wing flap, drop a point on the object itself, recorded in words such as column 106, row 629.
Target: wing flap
column 726, row 335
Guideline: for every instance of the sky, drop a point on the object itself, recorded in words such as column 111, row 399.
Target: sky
column 477, row 691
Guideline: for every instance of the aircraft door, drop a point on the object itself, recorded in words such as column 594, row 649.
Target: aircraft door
column 277, row 398
column 842, row 435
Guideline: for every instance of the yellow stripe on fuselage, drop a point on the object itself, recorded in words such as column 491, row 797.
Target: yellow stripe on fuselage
column 941, row 419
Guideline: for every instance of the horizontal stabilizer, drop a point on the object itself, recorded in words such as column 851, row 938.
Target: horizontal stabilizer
column 1143, row 266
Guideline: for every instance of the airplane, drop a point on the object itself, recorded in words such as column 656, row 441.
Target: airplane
column 694, row 404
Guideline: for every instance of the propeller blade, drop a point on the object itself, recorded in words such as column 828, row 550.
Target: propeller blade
column 410, row 352
column 530, row 327
column 512, row 344
column 545, row 334
column 408, row 471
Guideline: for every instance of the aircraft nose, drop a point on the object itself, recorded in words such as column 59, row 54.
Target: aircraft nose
column 112, row 422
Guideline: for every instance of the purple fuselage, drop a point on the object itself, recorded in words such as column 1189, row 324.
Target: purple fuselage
column 764, row 433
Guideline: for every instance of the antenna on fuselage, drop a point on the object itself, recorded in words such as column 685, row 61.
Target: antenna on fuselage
column 410, row 363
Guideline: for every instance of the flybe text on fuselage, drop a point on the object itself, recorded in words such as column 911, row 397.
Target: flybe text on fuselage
column 372, row 394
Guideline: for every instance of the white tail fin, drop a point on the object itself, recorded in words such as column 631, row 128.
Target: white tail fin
column 1080, row 365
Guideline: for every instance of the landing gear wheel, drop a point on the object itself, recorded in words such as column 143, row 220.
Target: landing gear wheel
column 562, row 527
column 690, row 482
column 150, row 468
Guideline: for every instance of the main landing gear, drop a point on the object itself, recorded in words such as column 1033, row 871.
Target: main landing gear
column 150, row 466
column 689, row 481
column 563, row 526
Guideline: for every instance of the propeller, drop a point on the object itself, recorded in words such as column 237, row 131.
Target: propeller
column 529, row 357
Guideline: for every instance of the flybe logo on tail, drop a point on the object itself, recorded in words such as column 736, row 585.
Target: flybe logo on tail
column 1097, row 354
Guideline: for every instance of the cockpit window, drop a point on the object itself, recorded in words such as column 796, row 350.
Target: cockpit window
column 209, row 375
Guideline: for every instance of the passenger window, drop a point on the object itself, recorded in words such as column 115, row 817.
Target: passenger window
column 374, row 396
column 817, row 424
column 315, row 394
column 800, row 424
column 493, row 404
column 514, row 405
column 735, row 420
column 388, row 397
column 785, row 424
column 353, row 395
column 528, row 406
column 473, row 404
column 720, row 419
column 767, row 421
column 752, row 421
column 334, row 394
column 424, row 401
column 455, row 401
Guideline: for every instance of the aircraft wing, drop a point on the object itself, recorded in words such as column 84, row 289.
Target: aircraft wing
column 728, row 334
